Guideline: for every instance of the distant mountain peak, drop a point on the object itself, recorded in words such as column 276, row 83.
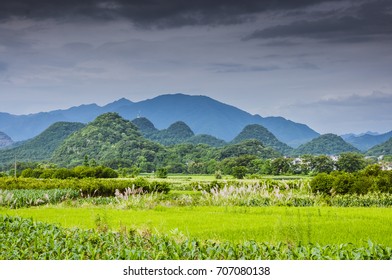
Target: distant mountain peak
column 122, row 102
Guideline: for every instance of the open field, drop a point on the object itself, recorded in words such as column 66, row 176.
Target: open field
column 25, row 239
column 323, row 225
column 186, row 217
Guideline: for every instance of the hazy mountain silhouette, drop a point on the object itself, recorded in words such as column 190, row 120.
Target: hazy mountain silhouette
column 202, row 114
column 366, row 141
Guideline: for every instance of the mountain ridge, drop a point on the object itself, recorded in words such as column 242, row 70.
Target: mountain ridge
column 366, row 141
column 203, row 114
column 5, row 140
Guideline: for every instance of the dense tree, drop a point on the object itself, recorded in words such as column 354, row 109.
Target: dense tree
column 239, row 172
column 322, row 164
column 281, row 166
column 350, row 162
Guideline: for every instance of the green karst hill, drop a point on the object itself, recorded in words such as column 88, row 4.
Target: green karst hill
column 145, row 126
column 107, row 139
column 326, row 144
column 258, row 132
column 177, row 133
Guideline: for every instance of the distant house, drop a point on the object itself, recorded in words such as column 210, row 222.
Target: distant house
column 386, row 165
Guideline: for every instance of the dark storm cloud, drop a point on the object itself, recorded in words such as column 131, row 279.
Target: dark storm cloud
column 155, row 13
column 355, row 24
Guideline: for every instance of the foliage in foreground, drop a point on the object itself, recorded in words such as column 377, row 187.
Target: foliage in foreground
column 25, row 239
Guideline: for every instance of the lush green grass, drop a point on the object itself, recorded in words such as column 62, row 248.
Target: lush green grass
column 323, row 225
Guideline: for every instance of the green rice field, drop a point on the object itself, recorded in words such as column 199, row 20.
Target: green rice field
column 323, row 225
column 183, row 218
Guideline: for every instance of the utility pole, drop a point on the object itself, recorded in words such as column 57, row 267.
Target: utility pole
column 15, row 168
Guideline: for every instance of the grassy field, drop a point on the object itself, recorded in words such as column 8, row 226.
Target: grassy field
column 323, row 225
column 199, row 218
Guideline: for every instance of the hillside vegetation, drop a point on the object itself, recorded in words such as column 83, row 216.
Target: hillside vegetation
column 177, row 133
column 107, row 139
column 327, row 144
column 381, row 149
column 41, row 147
column 260, row 133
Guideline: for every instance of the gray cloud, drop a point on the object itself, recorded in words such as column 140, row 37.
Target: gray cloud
column 373, row 100
column 238, row 68
column 3, row 66
column 13, row 40
column 354, row 24
column 344, row 114
column 154, row 13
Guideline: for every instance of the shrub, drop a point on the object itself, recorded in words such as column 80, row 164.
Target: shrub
column 161, row 173
column 322, row 183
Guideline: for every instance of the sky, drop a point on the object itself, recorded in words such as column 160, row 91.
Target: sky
column 327, row 64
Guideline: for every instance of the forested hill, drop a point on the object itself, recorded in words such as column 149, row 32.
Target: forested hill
column 145, row 126
column 5, row 140
column 327, row 144
column 42, row 146
column 381, row 149
column 207, row 140
column 262, row 134
column 109, row 140
column 176, row 133
column 248, row 147
column 202, row 114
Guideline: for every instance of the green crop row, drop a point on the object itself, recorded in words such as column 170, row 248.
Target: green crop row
column 86, row 186
column 23, row 239
column 26, row 198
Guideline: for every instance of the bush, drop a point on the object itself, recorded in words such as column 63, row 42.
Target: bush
column 161, row 173
column 371, row 179
column 239, row 172
column 322, row 183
